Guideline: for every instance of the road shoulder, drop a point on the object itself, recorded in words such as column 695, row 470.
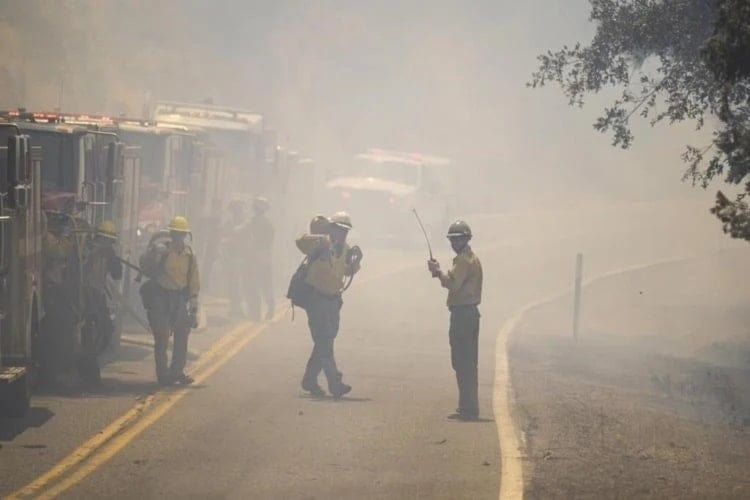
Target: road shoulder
column 652, row 399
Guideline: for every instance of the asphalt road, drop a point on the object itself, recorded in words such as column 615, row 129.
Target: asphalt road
column 249, row 431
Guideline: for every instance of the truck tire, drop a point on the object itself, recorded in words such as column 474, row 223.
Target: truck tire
column 15, row 397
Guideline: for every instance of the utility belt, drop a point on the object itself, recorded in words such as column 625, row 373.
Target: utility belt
column 151, row 289
column 182, row 292
column 318, row 293
column 464, row 308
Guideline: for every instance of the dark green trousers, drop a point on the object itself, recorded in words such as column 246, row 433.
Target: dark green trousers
column 168, row 315
column 464, row 341
column 323, row 315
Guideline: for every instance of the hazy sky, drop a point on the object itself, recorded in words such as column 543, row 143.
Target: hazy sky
column 334, row 77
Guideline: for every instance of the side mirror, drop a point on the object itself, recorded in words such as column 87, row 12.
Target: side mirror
column 4, row 167
column 114, row 165
column 118, row 190
column 3, row 259
column 21, row 196
column 19, row 160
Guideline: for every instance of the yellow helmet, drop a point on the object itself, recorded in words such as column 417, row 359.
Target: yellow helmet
column 107, row 229
column 261, row 204
column 179, row 224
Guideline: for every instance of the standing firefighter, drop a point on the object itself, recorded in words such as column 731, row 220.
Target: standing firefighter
column 98, row 328
column 170, row 297
column 259, row 262
column 464, row 284
column 234, row 248
column 329, row 260
column 59, row 250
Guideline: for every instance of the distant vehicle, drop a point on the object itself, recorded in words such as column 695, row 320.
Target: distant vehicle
column 381, row 187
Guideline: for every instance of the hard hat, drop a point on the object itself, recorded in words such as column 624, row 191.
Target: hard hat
column 179, row 224
column 458, row 229
column 107, row 229
column 236, row 205
column 261, row 204
column 342, row 219
column 319, row 224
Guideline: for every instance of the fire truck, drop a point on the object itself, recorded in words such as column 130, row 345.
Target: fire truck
column 249, row 149
column 182, row 173
column 87, row 176
column 20, row 269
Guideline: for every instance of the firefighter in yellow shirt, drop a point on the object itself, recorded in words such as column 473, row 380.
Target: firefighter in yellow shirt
column 330, row 262
column 234, row 248
column 171, row 299
column 464, row 284
column 260, row 232
column 101, row 263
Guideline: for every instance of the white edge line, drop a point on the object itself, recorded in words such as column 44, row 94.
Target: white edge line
column 511, row 448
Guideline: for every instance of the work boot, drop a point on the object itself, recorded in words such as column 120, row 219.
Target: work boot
column 463, row 416
column 341, row 390
column 165, row 380
column 314, row 389
column 183, row 379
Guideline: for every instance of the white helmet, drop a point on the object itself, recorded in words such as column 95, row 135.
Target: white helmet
column 342, row 220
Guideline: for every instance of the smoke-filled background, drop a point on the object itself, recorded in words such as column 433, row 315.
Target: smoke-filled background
column 335, row 77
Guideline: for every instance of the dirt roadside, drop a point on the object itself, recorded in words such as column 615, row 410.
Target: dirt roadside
column 653, row 400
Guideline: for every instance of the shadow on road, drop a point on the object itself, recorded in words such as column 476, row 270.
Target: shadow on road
column 331, row 399
column 477, row 421
column 220, row 321
column 131, row 353
column 109, row 387
column 12, row 427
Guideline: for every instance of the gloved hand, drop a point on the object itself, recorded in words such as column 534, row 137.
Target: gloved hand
column 354, row 257
column 434, row 267
column 193, row 312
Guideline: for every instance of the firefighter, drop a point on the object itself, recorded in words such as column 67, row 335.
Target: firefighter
column 234, row 248
column 171, row 299
column 98, row 328
column 464, row 284
column 211, row 245
column 259, row 262
column 57, row 350
column 330, row 261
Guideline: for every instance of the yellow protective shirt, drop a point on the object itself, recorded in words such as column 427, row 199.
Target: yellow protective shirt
column 175, row 269
column 464, row 280
column 327, row 269
column 261, row 232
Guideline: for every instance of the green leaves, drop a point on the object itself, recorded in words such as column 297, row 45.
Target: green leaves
column 674, row 61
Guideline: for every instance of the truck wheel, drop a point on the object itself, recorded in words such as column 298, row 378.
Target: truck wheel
column 15, row 397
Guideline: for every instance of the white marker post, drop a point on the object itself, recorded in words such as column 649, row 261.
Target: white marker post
column 577, row 295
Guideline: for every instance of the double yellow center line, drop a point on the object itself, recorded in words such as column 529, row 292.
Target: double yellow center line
column 85, row 459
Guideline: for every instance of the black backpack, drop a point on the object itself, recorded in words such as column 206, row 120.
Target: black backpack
column 300, row 291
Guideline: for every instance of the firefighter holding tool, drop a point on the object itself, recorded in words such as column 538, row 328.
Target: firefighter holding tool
column 464, row 284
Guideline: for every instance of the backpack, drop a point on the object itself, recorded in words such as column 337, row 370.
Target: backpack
column 152, row 268
column 300, row 291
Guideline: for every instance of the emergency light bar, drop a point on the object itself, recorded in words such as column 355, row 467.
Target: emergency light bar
column 389, row 155
column 207, row 116
column 71, row 118
column 22, row 114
